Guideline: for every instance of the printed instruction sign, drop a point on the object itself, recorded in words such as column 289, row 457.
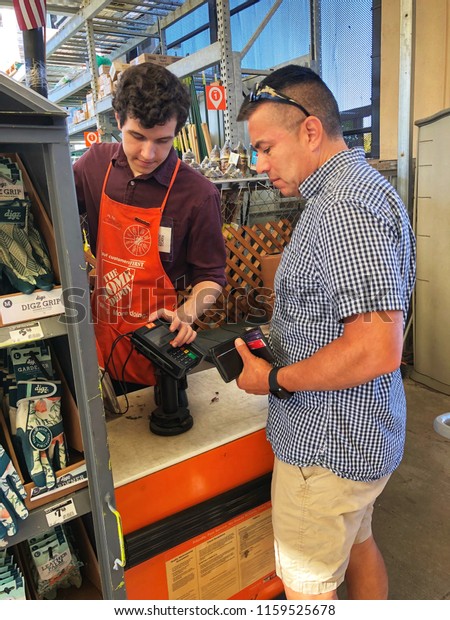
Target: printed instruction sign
column 224, row 561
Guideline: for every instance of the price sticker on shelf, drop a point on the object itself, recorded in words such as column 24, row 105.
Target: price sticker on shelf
column 26, row 333
column 61, row 512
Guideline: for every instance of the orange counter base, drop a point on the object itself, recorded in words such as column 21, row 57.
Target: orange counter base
column 234, row 557
column 184, row 485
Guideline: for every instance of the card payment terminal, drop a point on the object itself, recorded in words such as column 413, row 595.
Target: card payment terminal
column 172, row 415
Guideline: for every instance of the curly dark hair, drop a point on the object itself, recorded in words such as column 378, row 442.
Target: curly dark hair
column 152, row 95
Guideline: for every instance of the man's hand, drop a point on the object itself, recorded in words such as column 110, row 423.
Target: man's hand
column 184, row 332
column 254, row 379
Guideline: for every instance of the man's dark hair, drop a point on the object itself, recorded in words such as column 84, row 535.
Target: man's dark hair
column 152, row 95
column 306, row 87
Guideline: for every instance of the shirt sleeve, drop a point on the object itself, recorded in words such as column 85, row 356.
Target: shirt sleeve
column 358, row 262
column 206, row 246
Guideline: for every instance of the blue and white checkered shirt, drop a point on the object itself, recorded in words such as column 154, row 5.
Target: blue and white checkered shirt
column 352, row 251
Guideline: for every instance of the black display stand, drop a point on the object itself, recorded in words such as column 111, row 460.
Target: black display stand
column 172, row 416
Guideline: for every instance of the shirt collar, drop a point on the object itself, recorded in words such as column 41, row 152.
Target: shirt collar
column 162, row 174
column 312, row 184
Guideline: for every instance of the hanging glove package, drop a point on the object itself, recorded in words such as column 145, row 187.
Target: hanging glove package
column 24, row 259
column 33, row 414
column 39, row 429
column 12, row 496
column 12, row 585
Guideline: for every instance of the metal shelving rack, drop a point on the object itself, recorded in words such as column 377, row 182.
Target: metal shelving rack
column 36, row 129
column 93, row 15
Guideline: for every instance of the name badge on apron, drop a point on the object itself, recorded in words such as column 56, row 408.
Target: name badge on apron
column 165, row 239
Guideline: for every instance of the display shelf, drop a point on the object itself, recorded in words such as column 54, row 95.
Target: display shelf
column 79, row 128
column 50, row 326
column 36, row 130
column 60, row 511
column 244, row 182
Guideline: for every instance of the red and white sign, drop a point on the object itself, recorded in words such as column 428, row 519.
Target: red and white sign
column 30, row 14
column 91, row 137
column 215, row 97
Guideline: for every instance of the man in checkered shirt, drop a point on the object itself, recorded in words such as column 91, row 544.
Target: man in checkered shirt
column 336, row 401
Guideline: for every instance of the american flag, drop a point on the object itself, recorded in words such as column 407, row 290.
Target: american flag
column 30, row 13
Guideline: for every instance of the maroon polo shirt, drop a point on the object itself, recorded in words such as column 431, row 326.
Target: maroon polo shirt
column 193, row 209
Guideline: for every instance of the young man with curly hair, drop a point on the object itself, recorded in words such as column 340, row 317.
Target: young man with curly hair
column 154, row 222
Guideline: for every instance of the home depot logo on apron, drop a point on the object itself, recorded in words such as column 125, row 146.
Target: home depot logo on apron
column 131, row 283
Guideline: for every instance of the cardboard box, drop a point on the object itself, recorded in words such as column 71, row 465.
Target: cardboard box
column 11, row 312
column 90, row 105
column 116, row 68
column 158, row 59
column 269, row 265
column 104, row 69
column 105, row 86
column 80, row 115
column 70, row 478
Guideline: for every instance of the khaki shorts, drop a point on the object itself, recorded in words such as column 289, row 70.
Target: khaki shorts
column 317, row 518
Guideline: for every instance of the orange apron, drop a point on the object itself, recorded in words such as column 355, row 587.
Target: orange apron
column 131, row 283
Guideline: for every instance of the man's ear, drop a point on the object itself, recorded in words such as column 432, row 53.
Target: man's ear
column 313, row 128
column 117, row 121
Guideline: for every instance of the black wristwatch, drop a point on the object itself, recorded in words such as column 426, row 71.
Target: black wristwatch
column 274, row 387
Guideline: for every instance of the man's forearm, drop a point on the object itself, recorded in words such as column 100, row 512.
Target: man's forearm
column 202, row 296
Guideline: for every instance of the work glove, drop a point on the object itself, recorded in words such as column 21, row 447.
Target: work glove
column 44, row 280
column 21, row 255
column 40, row 430
column 12, row 494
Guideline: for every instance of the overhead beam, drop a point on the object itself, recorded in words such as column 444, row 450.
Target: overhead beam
column 198, row 61
column 187, row 7
column 260, row 28
column 75, row 24
column 204, row 58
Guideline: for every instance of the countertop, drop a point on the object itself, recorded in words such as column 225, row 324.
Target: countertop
column 221, row 411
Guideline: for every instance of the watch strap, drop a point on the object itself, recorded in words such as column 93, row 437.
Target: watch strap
column 274, row 387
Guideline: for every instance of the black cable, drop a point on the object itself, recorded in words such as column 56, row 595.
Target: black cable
column 122, row 383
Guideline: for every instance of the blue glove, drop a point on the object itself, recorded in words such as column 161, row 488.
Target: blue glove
column 40, row 430
column 12, row 494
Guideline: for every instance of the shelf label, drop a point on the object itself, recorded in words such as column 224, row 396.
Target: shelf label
column 61, row 512
column 39, row 304
column 234, row 158
column 26, row 333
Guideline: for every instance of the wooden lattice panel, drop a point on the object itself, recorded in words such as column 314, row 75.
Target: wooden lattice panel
column 245, row 246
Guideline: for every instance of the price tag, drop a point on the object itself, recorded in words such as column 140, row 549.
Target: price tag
column 26, row 333
column 234, row 158
column 62, row 512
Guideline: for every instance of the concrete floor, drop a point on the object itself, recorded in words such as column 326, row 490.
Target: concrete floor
column 411, row 521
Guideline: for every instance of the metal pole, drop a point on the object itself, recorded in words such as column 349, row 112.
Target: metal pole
column 316, row 36
column 405, row 101
column 230, row 71
column 34, row 52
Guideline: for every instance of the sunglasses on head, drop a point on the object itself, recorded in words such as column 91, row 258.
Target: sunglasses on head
column 266, row 93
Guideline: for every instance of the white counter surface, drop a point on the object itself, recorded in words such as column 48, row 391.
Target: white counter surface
column 221, row 412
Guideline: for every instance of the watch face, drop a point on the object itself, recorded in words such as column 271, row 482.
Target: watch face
column 281, row 393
